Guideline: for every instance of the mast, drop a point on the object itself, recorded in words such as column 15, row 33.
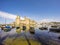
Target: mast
column 5, row 21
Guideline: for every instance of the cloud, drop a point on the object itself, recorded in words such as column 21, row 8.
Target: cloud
column 7, row 15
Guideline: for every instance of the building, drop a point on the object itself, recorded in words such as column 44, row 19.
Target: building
column 48, row 24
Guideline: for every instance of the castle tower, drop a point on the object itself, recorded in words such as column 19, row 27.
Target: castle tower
column 17, row 21
column 27, row 21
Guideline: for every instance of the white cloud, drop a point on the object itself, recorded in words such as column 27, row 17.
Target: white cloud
column 7, row 15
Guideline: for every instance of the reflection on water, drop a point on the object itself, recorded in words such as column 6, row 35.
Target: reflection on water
column 40, row 36
column 47, row 37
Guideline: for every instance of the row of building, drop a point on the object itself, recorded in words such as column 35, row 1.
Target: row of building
column 47, row 24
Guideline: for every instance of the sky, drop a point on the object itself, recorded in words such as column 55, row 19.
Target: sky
column 34, row 9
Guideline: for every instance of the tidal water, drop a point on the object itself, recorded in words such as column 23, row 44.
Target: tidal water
column 48, row 38
column 43, row 36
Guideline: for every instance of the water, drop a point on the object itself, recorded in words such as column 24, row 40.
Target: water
column 50, row 38
column 42, row 36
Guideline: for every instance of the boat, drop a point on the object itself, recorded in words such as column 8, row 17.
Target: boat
column 17, row 27
column 6, row 28
column 24, row 28
column 54, row 29
column 43, row 28
column 2, row 27
column 18, row 30
column 32, row 30
column 13, row 27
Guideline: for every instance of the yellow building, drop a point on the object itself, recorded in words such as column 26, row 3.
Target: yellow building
column 27, row 23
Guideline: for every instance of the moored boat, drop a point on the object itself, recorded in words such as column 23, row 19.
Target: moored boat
column 6, row 28
column 54, row 29
column 43, row 28
column 32, row 30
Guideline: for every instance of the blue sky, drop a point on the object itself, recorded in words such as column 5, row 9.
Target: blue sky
column 34, row 9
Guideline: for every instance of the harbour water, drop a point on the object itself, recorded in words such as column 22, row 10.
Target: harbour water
column 48, row 38
column 40, row 37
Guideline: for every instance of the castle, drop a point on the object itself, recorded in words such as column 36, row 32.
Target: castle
column 24, row 22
